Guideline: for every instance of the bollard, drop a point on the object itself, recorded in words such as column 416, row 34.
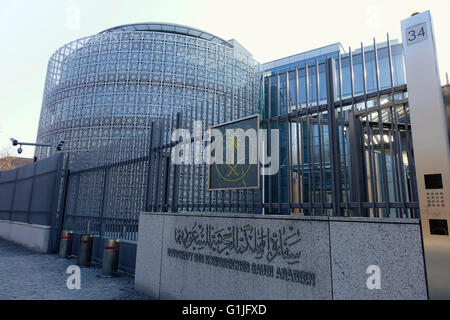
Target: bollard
column 65, row 245
column 110, row 257
column 85, row 252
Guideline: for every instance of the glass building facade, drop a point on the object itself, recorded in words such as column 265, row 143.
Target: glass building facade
column 110, row 86
column 374, row 163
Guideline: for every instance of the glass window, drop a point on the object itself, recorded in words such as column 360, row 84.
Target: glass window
column 358, row 81
column 371, row 83
column 302, row 87
column 283, row 93
column 312, row 85
column 322, row 83
column 399, row 71
column 292, row 91
column 346, row 77
column 273, row 95
column 383, row 66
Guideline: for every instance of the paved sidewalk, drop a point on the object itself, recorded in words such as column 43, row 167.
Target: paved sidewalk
column 28, row 275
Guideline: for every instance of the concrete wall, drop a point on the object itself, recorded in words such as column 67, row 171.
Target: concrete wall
column 27, row 194
column 33, row 236
column 222, row 256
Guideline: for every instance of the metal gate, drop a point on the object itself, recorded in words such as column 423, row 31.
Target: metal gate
column 106, row 193
column 342, row 153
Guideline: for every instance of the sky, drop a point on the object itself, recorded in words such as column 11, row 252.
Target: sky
column 30, row 31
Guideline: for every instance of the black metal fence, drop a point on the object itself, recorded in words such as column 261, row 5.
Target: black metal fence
column 342, row 153
column 185, row 187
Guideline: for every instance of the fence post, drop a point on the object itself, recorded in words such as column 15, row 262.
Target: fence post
column 75, row 200
column 176, row 172
column 333, row 134
column 158, row 204
column 105, row 198
column 55, row 214
column 149, row 193
column 64, row 200
column 357, row 184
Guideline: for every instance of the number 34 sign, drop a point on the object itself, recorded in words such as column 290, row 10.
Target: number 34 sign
column 416, row 34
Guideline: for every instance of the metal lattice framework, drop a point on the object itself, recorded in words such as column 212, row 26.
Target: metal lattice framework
column 107, row 189
column 111, row 85
column 106, row 94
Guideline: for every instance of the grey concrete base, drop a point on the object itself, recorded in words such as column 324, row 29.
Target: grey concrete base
column 396, row 247
column 222, row 256
column 32, row 236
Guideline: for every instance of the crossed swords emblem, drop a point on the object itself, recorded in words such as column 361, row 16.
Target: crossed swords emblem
column 233, row 174
column 232, row 167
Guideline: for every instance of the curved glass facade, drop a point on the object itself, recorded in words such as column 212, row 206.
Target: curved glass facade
column 112, row 85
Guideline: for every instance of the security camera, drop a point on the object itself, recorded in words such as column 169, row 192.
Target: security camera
column 60, row 145
column 19, row 151
column 14, row 142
